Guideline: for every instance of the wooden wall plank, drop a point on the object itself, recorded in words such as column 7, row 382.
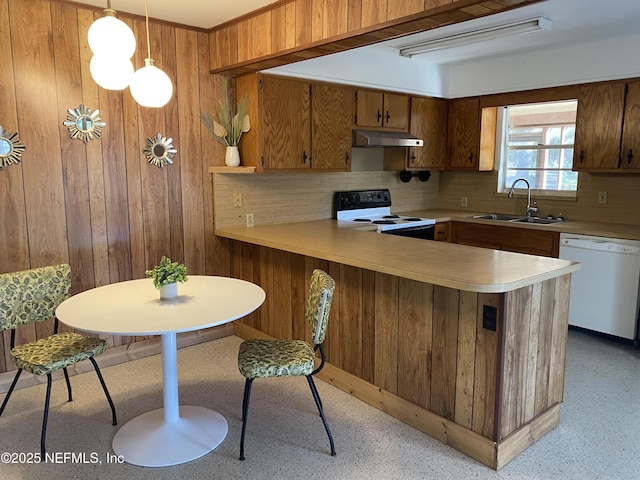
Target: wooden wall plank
column 445, row 338
column 335, row 321
column 351, row 313
column 298, row 297
column 282, row 293
column 531, row 365
column 335, row 18
column 354, row 15
column 244, row 40
column 415, row 342
column 402, row 8
column 559, row 338
column 317, row 20
column 465, row 365
column 303, row 22
column 13, row 220
column 386, row 332
column 543, row 368
column 261, row 35
column 279, row 29
column 368, row 325
column 33, row 61
column 290, row 25
column 374, row 12
column 266, row 282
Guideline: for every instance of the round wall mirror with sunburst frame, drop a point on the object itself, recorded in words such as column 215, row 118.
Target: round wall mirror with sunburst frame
column 10, row 148
column 84, row 124
column 159, row 151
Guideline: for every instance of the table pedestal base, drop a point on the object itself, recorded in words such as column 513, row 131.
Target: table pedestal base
column 149, row 441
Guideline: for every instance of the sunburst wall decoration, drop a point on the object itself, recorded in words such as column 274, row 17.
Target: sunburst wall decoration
column 10, row 148
column 84, row 124
column 159, row 151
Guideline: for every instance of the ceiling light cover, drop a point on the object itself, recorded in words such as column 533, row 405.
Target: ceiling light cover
column 476, row 36
column 150, row 86
column 111, row 73
column 111, row 36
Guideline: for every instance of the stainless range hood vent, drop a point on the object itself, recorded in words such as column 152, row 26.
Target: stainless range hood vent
column 373, row 138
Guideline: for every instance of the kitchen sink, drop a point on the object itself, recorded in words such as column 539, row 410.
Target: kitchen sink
column 505, row 217
column 499, row 216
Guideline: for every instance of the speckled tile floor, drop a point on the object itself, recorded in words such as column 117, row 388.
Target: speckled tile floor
column 597, row 438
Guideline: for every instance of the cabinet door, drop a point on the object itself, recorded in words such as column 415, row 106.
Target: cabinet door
column 630, row 151
column 332, row 113
column 369, row 108
column 598, row 127
column 442, row 232
column 512, row 239
column 429, row 122
column 285, row 124
column 396, row 111
column 463, row 135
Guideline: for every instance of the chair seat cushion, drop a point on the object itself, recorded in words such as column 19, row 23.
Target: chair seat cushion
column 275, row 358
column 55, row 352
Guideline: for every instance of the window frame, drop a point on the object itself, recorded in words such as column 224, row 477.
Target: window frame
column 501, row 155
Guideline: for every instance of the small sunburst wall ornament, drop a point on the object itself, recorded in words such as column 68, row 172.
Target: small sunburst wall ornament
column 10, row 148
column 84, row 124
column 159, row 151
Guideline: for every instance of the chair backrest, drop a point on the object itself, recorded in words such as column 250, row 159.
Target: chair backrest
column 32, row 295
column 319, row 304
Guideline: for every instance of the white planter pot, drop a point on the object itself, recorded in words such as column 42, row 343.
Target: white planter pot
column 169, row 291
column 232, row 157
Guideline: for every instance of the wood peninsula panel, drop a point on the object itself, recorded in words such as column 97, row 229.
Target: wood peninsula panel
column 320, row 27
column 421, row 352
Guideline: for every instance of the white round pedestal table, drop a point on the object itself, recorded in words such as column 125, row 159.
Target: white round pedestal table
column 174, row 434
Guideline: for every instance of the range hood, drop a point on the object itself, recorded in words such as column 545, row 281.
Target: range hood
column 374, row 138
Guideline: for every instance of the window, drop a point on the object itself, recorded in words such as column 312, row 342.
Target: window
column 535, row 142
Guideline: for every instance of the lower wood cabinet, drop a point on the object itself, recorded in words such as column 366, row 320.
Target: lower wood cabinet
column 442, row 232
column 511, row 239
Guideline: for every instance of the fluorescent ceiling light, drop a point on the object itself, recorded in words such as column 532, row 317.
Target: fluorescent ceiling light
column 476, row 36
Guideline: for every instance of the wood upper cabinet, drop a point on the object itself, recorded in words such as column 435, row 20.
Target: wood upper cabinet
column 471, row 135
column 294, row 131
column 331, row 137
column 382, row 110
column 463, row 134
column 511, row 239
column 607, row 127
column 428, row 122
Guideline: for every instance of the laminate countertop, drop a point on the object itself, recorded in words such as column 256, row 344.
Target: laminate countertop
column 449, row 265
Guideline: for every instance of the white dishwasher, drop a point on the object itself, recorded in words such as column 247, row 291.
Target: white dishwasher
column 604, row 292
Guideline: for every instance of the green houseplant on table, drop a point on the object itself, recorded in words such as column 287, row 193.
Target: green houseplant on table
column 232, row 124
column 166, row 276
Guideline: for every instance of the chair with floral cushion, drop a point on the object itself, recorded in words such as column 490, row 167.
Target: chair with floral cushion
column 31, row 296
column 289, row 358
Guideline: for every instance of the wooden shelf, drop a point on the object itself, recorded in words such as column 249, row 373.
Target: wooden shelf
column 234, row 170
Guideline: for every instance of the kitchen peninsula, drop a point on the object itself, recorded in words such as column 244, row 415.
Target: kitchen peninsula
column 465, row 344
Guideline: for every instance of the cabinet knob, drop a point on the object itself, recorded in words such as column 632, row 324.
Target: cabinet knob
column 413, row 157
column 388, row 116
column 346, row 156
column 304, row 156
column 630, row 156
column 379, row 115
column 581, row 156
column 471, row 157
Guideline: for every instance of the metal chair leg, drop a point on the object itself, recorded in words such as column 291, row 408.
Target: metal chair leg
column 13, row 384
column 106, row 392
column 245, row 411
column 45, row 417
column 66, row 377
column 316, row 397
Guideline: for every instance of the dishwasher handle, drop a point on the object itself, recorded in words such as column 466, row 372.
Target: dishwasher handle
column 600, row 245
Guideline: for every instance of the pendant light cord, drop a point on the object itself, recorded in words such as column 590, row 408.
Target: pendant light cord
column 146, row 15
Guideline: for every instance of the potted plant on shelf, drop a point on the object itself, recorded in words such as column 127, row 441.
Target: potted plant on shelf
column 166, row 276
column 232, row 123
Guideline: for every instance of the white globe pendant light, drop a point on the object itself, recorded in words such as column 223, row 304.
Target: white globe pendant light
column 150, row 86
column 113, row 44
column 111, row 73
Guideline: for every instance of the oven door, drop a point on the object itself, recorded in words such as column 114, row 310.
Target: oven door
column 425, row 232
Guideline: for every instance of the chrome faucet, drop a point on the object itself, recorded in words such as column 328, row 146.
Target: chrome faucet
column 530, row 210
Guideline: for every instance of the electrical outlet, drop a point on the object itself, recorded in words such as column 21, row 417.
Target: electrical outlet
column 249, row 219
column 237, row 199
column 602, row 197
column 463, row 202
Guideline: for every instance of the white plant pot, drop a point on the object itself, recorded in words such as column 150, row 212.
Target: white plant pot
column 232, row 157
column 169, row 291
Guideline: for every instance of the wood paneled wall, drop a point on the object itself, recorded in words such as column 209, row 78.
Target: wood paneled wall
column 423, row 343
column 292, row 30
column 101, row 207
